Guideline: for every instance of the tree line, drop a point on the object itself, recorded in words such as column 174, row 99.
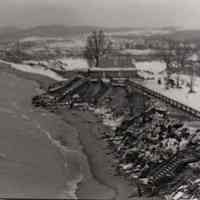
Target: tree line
column 175, row 55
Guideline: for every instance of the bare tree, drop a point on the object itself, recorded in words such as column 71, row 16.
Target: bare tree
column 167, row 55
column 194, row 66
column 192, row 80
column 182, row 51
column 97, row 46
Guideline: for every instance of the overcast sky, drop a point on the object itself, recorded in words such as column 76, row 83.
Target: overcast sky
column 101, row 12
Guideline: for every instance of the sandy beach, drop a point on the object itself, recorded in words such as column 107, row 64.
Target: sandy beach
column 79, row 163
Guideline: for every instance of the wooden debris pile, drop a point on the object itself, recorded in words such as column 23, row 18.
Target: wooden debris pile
column 151, row 149
column 190, row 190
column 61, row 92
column 154, row 150
column 83, row 90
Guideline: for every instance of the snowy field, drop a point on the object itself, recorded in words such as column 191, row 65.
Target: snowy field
column 182, row 95
column 157, row 72
column 150, row 70
column 34, row 70
column 155, row 67
column 74, row 63
column 138, row 52
column 68, row 44
column 61, row 64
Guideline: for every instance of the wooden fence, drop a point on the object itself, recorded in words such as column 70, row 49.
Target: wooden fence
column 166, row 99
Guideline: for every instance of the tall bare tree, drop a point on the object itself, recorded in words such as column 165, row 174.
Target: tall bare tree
column 167, row 55
column 193, row 66
column 97, row 45
column 182, row 51
column 192, row 80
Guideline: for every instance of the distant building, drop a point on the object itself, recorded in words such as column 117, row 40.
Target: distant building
column 117, row 61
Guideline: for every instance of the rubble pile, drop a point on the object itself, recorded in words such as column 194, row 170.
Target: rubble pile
column 113, row 106
column 155, row 150
column 94, row 93
column 57, row 92
column 159, row 153
column 190, row 189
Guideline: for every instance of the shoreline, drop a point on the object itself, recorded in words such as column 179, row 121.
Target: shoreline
column 99, row 157
column 28, row 162
column 99, row 182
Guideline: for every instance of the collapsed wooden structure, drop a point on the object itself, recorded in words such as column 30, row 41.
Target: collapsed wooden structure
column 150, row 147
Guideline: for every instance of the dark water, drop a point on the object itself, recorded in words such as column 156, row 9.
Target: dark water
column 32, row 163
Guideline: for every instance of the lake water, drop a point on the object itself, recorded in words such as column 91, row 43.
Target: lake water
column 32, row 163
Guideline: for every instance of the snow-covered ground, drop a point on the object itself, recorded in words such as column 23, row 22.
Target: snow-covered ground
column 35, row 70
column 181, row 95
column 155, row 66
column 139, row 52
column 67, row 64
column 74, row 63
column 78, row 43
column 150, row 70
column 113, row 69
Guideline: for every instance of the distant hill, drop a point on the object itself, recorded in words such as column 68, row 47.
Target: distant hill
column 187, row 35
column 14, row 33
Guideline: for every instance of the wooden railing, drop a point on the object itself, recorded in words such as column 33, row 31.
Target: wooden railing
column 166, row 99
